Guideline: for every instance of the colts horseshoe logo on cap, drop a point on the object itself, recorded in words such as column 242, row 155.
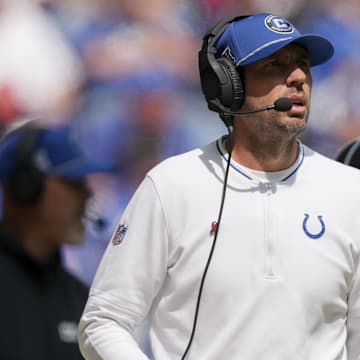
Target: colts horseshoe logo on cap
column 279, row 25
column 311, row 235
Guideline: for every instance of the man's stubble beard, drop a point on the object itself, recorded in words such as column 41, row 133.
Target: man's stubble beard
column 276, row 128
column 274, row 134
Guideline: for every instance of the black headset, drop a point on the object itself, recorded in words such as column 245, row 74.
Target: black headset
column 221, row 81
column 26, row 180
column 223, row 87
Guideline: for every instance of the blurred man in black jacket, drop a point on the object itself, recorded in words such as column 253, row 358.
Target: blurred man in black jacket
column 43, row 175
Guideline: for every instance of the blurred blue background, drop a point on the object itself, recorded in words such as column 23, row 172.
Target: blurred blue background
column 124, row 74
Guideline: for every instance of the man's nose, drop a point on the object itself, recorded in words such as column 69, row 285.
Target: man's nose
column 296, row 77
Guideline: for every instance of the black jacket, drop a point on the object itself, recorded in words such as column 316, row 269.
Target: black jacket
column 40, row 306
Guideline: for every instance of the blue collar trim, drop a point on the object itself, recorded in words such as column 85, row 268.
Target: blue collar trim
column 225, row 157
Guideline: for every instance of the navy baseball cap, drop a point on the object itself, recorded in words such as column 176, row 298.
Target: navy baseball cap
column 256, row 37
column 56, row 152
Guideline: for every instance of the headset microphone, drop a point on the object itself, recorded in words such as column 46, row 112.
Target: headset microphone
column 98, row 222
column 282, row 105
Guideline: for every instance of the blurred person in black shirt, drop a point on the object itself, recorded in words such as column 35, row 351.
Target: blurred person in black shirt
column 349, row 153
column 44, row 181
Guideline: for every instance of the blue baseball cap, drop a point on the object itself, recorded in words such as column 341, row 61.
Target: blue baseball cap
column 258, row 36
column 55, row 152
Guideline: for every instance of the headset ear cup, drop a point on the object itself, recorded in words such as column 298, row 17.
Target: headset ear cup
column 232, row 98
column 209, row 81
column 26, row 184
column 26, row 181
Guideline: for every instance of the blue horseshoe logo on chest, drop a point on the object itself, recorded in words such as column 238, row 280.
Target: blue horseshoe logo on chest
column 308, row 233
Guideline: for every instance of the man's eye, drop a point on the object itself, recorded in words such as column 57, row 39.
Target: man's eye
column 274, row 63
column 304, row 65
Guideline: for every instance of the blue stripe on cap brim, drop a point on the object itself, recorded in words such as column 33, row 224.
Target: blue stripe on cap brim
column 319, row 49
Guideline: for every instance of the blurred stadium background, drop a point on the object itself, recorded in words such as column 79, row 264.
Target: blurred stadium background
column 124, row 74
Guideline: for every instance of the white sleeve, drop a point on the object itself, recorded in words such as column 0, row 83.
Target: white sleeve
column 353, row 319
column 129, row 276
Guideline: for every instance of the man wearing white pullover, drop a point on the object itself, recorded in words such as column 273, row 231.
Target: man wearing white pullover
column 246, row 248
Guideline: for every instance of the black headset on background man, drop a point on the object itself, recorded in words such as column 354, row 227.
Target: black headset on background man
column 26, row 180
column 221, row 81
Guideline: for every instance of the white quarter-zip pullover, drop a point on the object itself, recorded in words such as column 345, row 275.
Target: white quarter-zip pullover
column 283, row 282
